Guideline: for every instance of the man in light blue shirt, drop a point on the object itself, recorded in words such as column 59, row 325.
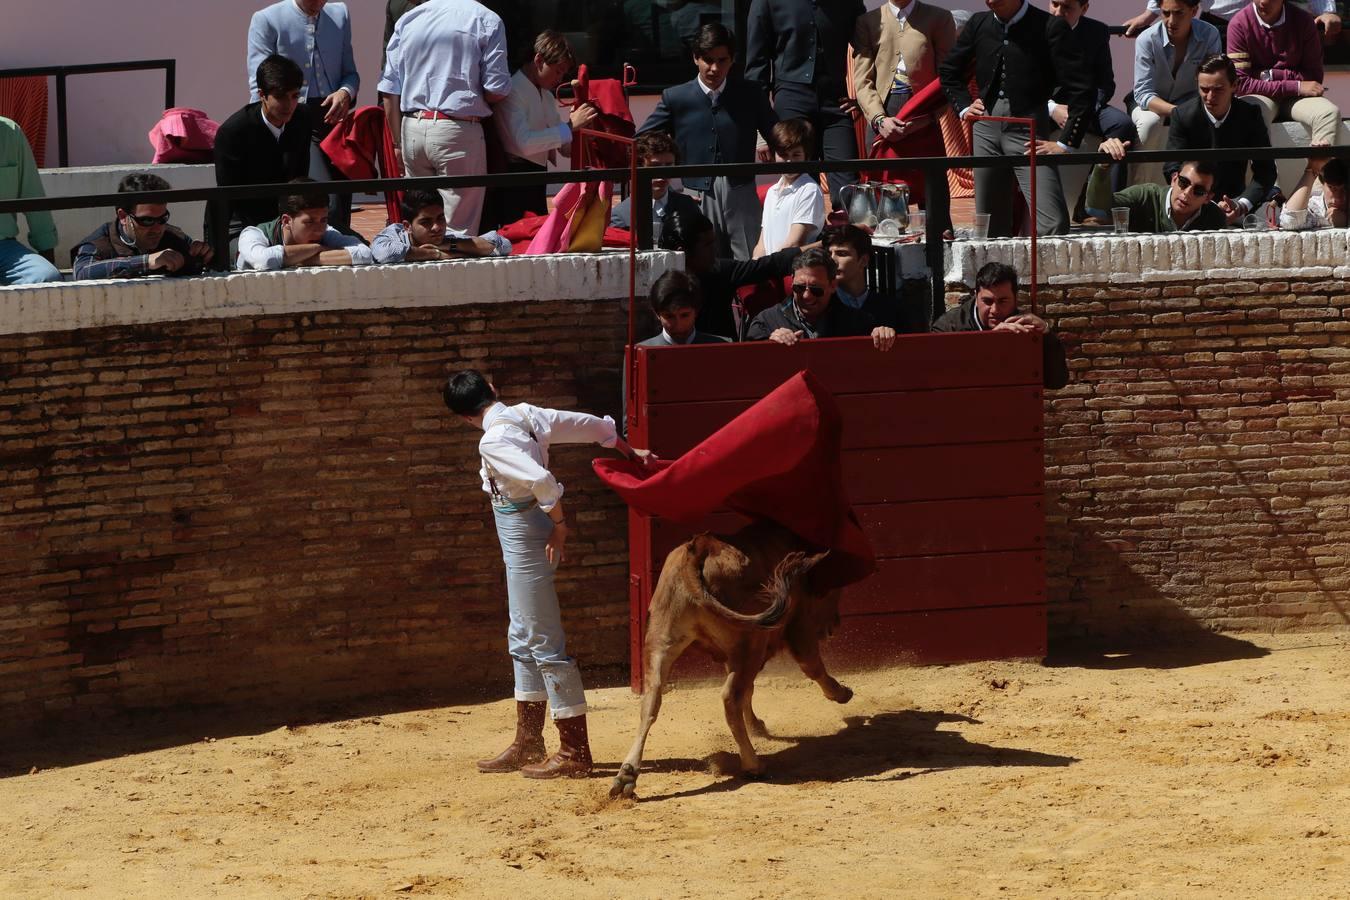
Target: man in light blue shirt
column 445, row 65
column 316, row 35
column 1166, row 58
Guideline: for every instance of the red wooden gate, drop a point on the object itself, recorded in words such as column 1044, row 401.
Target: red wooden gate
column 943, row 460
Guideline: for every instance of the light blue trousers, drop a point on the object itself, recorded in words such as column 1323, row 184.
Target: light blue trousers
column 20, row 265
column 535, row 638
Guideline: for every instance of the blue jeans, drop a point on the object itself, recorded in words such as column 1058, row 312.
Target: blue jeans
column 19, row 265
column 535, row 638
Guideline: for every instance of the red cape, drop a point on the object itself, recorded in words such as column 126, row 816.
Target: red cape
column 778, row 460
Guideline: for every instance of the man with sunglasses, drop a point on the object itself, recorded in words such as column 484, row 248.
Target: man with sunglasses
column 139, row 240
column 1184, row 205
column 814, row 310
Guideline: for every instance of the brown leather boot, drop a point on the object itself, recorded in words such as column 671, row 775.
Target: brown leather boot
column 573, row 758
column 528, row 747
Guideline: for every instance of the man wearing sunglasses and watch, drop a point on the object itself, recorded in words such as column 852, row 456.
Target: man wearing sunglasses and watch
column 814, row 311
column 140, row 241
column 1184, row 205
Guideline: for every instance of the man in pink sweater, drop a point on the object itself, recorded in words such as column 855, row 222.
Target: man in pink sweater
column 1278, row 54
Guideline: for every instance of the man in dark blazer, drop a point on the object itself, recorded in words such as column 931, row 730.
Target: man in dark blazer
column 798, row 50
column 1020, row 55
column 656, row 148
column 1214, row 119
column 714, row 119
column 1095, row 41
column 264, row 143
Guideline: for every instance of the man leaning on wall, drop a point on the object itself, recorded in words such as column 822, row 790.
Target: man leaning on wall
column 19, row 180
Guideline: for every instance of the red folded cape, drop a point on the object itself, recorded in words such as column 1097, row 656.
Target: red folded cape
column 778, row 460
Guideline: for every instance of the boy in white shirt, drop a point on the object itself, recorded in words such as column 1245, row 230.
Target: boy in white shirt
column 1326, row 208
column 527, row 507
column 794, row 207
column 300, row 236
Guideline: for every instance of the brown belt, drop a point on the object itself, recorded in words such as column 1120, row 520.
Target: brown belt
column 437, row 114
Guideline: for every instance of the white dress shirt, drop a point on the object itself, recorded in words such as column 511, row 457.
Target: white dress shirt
column 518, row 463
column 528, row 122
column 901, row 12
column 447, row 56
column 257, row 252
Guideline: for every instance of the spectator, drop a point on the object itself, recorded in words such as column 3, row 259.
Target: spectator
column 851, row 249
column 527, row 123
column 993, row 307
column 422, row 235
column 139, row 240
column 897, row 49
column 794, row 208
column 676, row 299
column 20, row 181
column 655, row 148
column 300, row 236
column 393, row 11
column 719, row 277
column 1213, row 120
column 1322, row 209
column 1186, row 205
column 1278, row 54
column 714, row 118
column 1167, row 57
column 1218, row 13
column 446, row 64
column 266, row 142
column 814, row 310
column 1021, row 55
column 1095, row 42
column 798, row 50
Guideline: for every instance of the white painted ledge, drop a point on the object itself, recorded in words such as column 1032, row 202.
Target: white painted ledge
column 1150, row 258
column 142, row 301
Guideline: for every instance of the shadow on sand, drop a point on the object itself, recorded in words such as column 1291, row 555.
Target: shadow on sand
column 867, row 748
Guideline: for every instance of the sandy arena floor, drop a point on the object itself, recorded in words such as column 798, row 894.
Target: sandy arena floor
column 1118, row 777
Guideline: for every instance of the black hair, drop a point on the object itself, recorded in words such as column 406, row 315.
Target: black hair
column 674, row 290
column 1334, row 172
column 847, row 236
column 415, row 201
column 650, row 143
column 996, row 273
column 711, row 36
column 1201, row 167
column 1216, row 64
column 302, row 199
column 468, row 393
column 140, row 182
column 816, row 258
column 277, row 75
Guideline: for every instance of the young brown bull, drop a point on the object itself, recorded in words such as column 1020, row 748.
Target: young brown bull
column 702, row 584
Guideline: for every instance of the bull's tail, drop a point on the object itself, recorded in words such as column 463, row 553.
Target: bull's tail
column 778, row 590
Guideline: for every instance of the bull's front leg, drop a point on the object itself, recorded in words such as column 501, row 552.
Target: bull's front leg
column 661, row 657
column 735, row 695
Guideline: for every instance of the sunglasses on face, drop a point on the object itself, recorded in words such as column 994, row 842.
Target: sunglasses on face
column 815, row 289
column 1185, row 184
column 150, row 221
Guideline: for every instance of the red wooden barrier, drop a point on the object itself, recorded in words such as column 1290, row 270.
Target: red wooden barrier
column 944, row 462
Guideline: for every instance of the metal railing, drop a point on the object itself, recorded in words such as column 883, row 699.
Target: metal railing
column 61, row 73
column 641, row 195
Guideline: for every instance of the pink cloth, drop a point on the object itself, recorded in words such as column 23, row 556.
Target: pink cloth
column 183, row 135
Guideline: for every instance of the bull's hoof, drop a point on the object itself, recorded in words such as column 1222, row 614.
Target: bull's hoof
column 843, row 695
column 624, row 784
column 758, row 728
column 759, row 774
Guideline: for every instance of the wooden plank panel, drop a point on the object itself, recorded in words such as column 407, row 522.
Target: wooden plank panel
column 955, row 526
column 950, row 472
column 940, row 636
column 898, row 419
column 922, row 583
column 844, row 365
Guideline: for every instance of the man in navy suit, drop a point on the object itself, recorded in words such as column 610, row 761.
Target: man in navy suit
column 715, row 119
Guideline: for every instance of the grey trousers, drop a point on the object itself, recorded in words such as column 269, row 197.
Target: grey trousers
column 735, row 212
column 994, row 187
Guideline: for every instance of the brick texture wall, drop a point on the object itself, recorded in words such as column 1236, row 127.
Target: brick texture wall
column 1196, row 465
column 280, row 508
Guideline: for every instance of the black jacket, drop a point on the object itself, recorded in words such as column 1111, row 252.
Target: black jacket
column 704, row 134
column 676, row 202
column 1041, row 55
column 801, row 42
column 1245, row 127
column 719, row 287
column 1095, row 42
column 839, row 321
column 1054, row 365
column 246, row 153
